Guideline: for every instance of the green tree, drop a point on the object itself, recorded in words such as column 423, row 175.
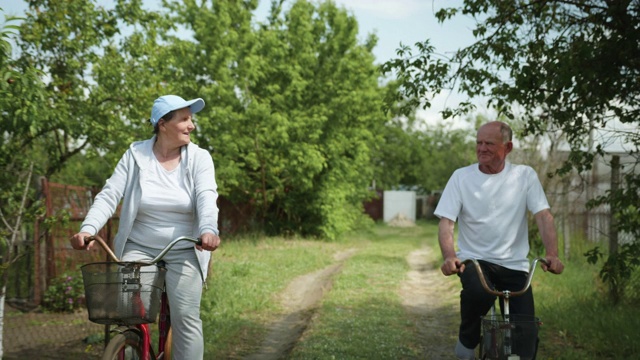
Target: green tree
column 67, row 91
column 101, row 68
column 572, row 65
column 294, row 108
column 96, row 77
column 421, row 157
column 17, row 169
column 293, row 103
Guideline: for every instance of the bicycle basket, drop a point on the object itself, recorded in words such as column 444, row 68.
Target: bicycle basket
column 518, row 336
column 122, row 293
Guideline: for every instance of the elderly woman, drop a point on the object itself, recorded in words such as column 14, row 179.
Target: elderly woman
column 168, row 189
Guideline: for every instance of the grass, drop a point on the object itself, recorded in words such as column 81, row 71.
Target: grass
column 582, row 324
column 246, row 278
column 362, row 317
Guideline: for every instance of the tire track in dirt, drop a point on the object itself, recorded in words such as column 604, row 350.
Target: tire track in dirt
column 431, row 301
column 301, row 298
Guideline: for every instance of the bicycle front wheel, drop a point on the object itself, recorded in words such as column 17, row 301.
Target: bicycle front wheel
column 125, row 346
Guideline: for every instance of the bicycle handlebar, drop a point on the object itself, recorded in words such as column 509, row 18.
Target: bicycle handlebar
column 164, row 251
column 505, row 293
column 107, row 249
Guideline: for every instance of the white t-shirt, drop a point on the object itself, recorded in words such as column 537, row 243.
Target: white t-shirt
column 166, row 209
column 491, row 212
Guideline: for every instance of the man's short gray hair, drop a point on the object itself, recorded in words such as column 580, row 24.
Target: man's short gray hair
column 507, row 133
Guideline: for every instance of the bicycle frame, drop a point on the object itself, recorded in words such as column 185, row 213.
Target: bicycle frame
column 163, row 324
column 144, row 330
column 146, row 350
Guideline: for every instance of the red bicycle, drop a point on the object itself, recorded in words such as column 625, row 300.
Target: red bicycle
column 130, row 295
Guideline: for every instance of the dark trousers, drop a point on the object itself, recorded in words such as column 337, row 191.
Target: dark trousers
column 475, row 302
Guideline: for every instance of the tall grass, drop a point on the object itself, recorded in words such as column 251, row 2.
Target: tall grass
column 362, row 317
column 579, row 320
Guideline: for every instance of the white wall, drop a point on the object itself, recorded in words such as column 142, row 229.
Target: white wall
column 396, row 202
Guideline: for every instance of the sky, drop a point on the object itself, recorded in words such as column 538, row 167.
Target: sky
column 393, row 21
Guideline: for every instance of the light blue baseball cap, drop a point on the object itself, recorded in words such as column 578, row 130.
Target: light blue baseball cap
column 167, row 103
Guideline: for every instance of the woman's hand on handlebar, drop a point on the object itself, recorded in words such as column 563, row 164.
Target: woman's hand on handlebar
column 452, row 266
column 553, row 265
column 78, row 243
column 210, row 242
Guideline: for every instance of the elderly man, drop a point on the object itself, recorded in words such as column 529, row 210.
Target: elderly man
column 490, row 199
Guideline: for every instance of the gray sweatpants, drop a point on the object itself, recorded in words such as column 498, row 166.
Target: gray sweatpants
column 184, row 289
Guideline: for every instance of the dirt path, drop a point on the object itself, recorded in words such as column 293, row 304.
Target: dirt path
column 301, row 299
column 427, row 297
column 431, row 301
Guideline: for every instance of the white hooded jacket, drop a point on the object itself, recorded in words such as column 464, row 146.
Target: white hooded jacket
column 125, row 184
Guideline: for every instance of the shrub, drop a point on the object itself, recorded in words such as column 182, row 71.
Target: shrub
column 65, row 294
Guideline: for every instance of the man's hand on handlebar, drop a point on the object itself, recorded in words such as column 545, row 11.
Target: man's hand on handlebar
column 78, row 242
column 452, row 266
column 553, row 265
column 210, row 242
